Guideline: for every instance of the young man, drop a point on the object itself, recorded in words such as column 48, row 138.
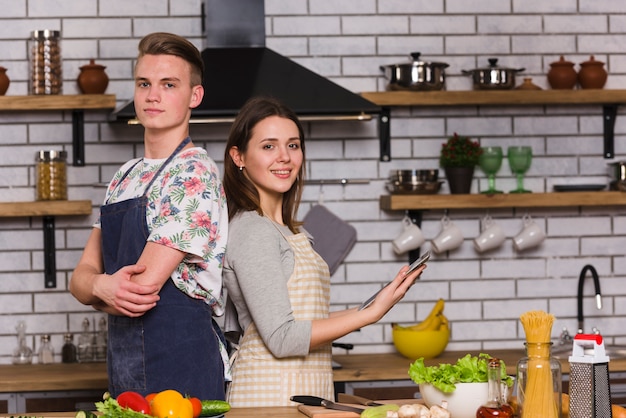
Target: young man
column 153, row 261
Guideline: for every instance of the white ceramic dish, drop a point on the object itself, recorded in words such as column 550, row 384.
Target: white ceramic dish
column 463, row 402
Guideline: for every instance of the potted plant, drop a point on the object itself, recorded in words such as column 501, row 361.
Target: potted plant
column 459, row 156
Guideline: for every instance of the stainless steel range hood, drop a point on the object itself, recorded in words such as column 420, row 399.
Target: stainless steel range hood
column 238, row 66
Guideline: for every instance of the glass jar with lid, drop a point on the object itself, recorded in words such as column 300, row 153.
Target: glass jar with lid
column 51, row 175
column 46, row 75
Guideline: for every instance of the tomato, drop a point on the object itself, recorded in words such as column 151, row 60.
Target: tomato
column 171, row 404
column 134, row 401
column 150, row 397
column 196, row 404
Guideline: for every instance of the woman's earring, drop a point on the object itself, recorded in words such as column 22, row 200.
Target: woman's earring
column 240, row 168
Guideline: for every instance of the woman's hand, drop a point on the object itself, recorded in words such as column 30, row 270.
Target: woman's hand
column 395, row 290
column 340, row 323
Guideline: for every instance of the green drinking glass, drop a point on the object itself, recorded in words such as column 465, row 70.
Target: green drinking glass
column 519, row 161
column 490, row 162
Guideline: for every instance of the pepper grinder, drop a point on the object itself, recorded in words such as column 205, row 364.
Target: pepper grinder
column 68, row 352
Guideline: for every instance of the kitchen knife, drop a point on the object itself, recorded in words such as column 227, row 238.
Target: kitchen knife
column 345, row 398
column 316, row 401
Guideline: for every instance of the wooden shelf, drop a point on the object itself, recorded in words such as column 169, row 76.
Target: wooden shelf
column 496, row 97
column 45, row 208
column 76, row 103
column 609, row 99
column 58, row 102
column 505, row 200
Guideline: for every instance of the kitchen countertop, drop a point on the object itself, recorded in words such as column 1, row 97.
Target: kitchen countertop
column 274, row 412
column 355, row 368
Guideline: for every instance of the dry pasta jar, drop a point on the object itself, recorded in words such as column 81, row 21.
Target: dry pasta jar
column 51, row 175
column 45, row 62
column 539, row 384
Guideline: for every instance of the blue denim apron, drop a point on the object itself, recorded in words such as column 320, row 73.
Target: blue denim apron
column 175, row 344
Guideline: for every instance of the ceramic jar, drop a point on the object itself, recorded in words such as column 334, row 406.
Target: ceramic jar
column 592, row 74
column 4, row 81
column 92, row 78
column 562, row 75
column 528, row 85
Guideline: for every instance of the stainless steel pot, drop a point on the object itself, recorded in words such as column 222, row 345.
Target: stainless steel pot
column 493, row 77
column 416, row 75
column 618, row 176
column 618, row 170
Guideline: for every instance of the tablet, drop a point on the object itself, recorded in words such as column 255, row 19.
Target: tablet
column 416, row 264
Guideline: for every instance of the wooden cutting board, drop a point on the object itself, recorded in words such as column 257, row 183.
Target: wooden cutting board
column 321, row 412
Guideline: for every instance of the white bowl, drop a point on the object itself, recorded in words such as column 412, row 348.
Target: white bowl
column 462, row 403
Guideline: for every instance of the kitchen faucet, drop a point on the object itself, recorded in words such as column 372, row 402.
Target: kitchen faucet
column 581, row 282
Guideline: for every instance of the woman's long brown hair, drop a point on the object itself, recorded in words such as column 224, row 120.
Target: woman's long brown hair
column 241, row 193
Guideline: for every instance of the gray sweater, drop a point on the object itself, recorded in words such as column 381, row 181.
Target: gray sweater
column 257, row 266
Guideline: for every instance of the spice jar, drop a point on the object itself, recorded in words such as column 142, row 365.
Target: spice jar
column 45, row 62
column 51, row 175
column 46, row 352
column 68, row 351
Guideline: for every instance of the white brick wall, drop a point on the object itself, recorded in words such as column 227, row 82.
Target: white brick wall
column 347, row 41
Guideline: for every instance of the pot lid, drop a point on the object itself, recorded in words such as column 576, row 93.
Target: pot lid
column 493, row 65
column 562, row 62
column 92, row 65
column 592, row 61
column 415, row 61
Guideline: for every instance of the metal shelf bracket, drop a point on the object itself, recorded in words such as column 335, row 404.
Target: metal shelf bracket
column 609, row 113
column 78, row 138
column 49, row 253
column 384, row 133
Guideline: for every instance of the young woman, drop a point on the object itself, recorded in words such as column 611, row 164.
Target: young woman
column 278, row 284
column 154, row 258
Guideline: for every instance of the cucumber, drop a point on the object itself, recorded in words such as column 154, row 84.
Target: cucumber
column 85, row 414
column 212, row 408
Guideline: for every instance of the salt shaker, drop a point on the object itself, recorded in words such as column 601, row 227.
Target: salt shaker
column 46, row 352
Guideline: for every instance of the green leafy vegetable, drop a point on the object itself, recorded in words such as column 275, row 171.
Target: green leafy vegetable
column 469, row 369
column 111, row 409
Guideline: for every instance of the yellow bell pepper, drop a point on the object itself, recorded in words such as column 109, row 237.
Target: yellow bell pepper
column 171, row 404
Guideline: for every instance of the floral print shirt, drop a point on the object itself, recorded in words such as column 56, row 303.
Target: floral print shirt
column 186, row 211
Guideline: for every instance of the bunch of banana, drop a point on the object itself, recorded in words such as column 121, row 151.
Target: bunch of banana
column 434, row 321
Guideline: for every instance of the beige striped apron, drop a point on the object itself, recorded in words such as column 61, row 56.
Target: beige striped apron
column 260, row 379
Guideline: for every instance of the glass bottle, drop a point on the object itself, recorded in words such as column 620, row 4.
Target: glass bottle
column 496, row 405
column 68, row 352
column 85, row 350
column 101, row 340
column 539, row 383
column 46, row 352
column 23, row 354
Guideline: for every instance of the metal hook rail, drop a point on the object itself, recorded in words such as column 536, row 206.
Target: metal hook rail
column 337, row 181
